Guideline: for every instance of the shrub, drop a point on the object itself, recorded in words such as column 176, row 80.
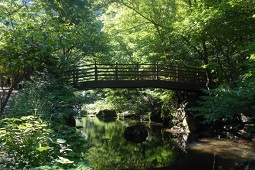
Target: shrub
column 27, row 142
column 24, row 142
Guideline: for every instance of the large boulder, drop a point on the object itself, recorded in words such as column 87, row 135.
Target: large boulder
column 136, row 133
column 107, row 115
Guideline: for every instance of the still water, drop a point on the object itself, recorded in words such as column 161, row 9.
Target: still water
column 109, row 150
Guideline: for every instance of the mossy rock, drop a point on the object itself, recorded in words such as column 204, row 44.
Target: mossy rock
column 107, row 114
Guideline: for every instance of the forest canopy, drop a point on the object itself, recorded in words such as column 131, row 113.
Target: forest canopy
column 51, row 36
column 41, row 40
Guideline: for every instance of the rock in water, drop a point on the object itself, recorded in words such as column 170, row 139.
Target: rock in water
column 136, row 133
column 107, row 115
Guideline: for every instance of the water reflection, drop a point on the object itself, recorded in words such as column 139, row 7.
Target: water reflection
column 108, row 149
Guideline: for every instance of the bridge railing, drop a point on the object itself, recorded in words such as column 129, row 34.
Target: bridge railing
column 96, row 72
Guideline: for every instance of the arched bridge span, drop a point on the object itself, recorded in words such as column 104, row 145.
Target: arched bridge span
column 136, row 76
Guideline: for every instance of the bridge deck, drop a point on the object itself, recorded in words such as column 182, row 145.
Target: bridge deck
column 138, row 84
column 136, row 76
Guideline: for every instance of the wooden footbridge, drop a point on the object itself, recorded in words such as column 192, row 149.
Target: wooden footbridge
column 136, row 76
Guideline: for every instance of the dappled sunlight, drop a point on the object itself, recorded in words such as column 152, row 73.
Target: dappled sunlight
column 233, row 150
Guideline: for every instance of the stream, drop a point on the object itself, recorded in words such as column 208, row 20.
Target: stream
column 162, row 149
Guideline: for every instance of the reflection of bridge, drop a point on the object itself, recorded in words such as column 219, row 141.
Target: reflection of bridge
column 137, row 76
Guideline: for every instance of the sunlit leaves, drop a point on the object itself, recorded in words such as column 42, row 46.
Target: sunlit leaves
column 41, row 149
column 227, row 104
column 24, row 141
column 29, row 142
column 61, row 141
column 38, row 35
column 139, row 29
column 64, row 160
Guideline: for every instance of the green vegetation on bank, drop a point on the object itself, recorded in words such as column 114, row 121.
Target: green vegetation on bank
column 37, row 129
column 41, row 40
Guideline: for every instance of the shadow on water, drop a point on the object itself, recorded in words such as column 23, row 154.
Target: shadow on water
column 108, row 149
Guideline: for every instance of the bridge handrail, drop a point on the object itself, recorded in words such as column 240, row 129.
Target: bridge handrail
column 117, row 71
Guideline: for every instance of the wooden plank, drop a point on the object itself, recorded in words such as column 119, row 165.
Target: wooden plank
column 139, row 84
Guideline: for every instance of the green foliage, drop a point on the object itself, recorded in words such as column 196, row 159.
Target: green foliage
column 46, row 37
column 63, row 104
column 215, row 35
column 137, row 101
column 30, row 100
column 53, row 104
column 210, row 34
column 229, row 102
column 25, row 142
column 138, row 30
column 50, row 99
column 169, row 104
column 156, row 104
column 222, row 104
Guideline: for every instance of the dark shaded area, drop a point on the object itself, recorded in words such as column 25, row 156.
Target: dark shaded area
column 136, row 133
column 70, row 120
column 107, row 115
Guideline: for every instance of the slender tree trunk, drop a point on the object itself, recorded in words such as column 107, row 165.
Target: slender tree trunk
column 5, row 99
column 206, row 61
column 7, row 94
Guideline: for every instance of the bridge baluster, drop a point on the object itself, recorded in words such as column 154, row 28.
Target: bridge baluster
column 116, row 71
column 177, row 73
column 75, row 75
column 137, row 71
column 96, row 75
column 157, row 71
column 135, row 75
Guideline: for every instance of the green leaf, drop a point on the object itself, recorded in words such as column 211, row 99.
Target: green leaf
column 41, row 149
column 72, row 154
column 29, row 125
column 64, row 160
column 27, row 130
column 61, row 141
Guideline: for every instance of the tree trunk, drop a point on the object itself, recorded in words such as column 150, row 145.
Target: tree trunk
column 7, row 94
column 205, row 58
column 4, row 100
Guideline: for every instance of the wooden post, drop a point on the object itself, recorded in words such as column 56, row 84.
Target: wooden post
column 177, row 73
column 157, row 71
column 116, row 71
column 96, row 76
column 137, row 71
